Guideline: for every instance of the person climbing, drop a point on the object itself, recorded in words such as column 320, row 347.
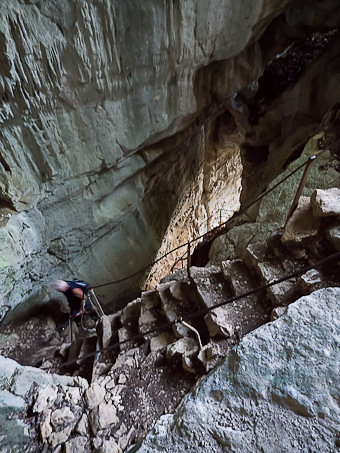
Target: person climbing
column 76, row 292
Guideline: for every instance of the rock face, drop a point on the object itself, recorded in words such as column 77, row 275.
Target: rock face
column 16, row 390
column 104, row 105
column 273, row 210
column 326, row 203
column 136, row 382
column 266, row 396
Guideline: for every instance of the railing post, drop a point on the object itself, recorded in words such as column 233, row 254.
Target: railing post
column 188, row 260
column 300, row 187
column 71, row 329
column 96, row 303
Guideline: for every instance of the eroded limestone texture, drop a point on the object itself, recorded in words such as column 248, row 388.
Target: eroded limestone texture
column 276, row 391
column 91, row 91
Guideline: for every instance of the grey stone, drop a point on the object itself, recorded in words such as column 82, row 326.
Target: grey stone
column 45, row 398
column 218, row 323
column 106, row 323
column 270, row 269
column 302, row 224
column 109, row 446
column 61, row 417
column 60, row 437
column 161, row 341
column 76, row 445
column 210, row 284
column 333, row 234
column 82, row 426
column 311, row 281
column 210, row 355
column 9, row 340
column 7, row 368
column 326, row 203
column 14, row 435
column 27, row 376
column 15, row 382
column 174, row 306
column 102, row 417
column 185, row 349
column 266, row 394
column 277, row 312
column 45, row 427
column 94, row 395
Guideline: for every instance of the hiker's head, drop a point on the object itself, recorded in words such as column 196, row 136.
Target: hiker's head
column 61, row 285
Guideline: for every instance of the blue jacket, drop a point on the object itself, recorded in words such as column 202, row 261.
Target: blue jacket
column 74, row 301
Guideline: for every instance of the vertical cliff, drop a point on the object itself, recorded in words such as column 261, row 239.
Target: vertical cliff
column 125, row 121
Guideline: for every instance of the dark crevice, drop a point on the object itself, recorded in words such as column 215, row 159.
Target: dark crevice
column 295, row 155
column 286, row 68
column 5, row 164
column 256, row 154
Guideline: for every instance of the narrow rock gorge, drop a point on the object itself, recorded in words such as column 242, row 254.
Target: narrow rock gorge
column 122, row 136
column 128, row 130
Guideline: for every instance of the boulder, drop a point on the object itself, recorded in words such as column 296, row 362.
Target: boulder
column 326, row 203
column 218, row 323
column 94, row 395
column 76, row 445
column 185, row 349
column 62, row 416
column 302, row 224
column 45, row 427
column 106, row 325
column 210, row 355
column 82, row 426
column 102, row 416
column 58, row 438
column 276, row 391
column 45, row 398
column 311, row 281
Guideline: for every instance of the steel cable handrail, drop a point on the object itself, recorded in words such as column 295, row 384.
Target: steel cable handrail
column 222, row 225
column 204, row 311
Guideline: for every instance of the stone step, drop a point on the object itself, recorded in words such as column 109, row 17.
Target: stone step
column 152, row 315
column 129, row 320
column 213, row 288
column 237, row 273
column 130, row 315
column 248, row 313
column 312, row 281
column 211, row 285
column 219, row 284
column 175, row 304
column 269, row 268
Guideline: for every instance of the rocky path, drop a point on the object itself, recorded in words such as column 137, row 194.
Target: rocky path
column 133, row 385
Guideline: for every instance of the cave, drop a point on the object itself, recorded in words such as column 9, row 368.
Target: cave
column 155, row 150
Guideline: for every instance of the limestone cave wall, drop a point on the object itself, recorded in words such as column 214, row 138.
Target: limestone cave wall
column 125, row 125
